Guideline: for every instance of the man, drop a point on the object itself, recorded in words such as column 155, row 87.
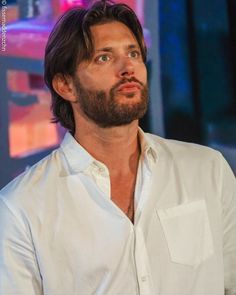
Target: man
column 115, row 211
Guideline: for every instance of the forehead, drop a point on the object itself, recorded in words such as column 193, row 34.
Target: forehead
column 112, row 33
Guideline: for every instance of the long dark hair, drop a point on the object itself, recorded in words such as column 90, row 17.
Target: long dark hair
column 70, row 42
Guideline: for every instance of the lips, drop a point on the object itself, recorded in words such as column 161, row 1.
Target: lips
column 129, row 87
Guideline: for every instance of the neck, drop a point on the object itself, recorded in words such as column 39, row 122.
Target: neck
column 116, row 147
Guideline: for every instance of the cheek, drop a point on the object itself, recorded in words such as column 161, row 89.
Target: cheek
column 95, row 79
column 86, row 76
column 87, row 80
column 142, row 74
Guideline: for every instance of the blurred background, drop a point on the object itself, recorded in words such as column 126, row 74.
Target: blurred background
column 191, row 65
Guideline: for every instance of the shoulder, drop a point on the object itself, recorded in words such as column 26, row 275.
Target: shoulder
column 34, row 179
column 191, row 160
column 196, row 166
column 179, row 150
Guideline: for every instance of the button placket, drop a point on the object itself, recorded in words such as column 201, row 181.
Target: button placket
column 141, row 257
column 101, row 176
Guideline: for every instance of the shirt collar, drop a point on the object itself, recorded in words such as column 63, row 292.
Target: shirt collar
column 79, row 159
column 148, row 147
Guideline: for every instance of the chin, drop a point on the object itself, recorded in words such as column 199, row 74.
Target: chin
column 129, row 98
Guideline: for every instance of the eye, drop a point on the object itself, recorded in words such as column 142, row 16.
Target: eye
column 134, row 54
column 103, row 58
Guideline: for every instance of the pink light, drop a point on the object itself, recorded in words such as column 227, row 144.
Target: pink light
column 67, row 4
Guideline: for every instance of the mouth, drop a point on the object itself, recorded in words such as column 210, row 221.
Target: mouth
column 129, row 87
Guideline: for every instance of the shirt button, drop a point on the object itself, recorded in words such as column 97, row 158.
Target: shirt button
column 101, row 169
column 143, row 278
column 98, row 167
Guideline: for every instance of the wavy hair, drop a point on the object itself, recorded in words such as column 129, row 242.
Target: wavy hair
column 70, row 43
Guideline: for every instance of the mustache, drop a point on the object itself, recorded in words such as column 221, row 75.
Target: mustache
column 126, row 80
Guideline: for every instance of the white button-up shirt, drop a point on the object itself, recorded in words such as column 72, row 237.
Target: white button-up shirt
column 61, row 234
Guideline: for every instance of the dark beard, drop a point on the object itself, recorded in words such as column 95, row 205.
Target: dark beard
column 105, row 111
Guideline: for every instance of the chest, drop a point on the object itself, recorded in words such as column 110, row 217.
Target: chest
column 122, row 193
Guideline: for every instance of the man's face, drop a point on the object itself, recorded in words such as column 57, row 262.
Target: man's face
column 112, row 86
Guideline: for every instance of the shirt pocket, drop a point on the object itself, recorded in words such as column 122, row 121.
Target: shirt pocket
column 187, row 232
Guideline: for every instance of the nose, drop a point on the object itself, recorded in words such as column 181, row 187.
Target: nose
column 126, row 68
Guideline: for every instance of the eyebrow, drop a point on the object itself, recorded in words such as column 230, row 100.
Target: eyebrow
column 110, row 49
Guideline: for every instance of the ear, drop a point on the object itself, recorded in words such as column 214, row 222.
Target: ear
column 63, row 85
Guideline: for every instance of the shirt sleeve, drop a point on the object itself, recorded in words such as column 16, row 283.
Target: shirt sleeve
column 229, row 227
column 19, row 272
